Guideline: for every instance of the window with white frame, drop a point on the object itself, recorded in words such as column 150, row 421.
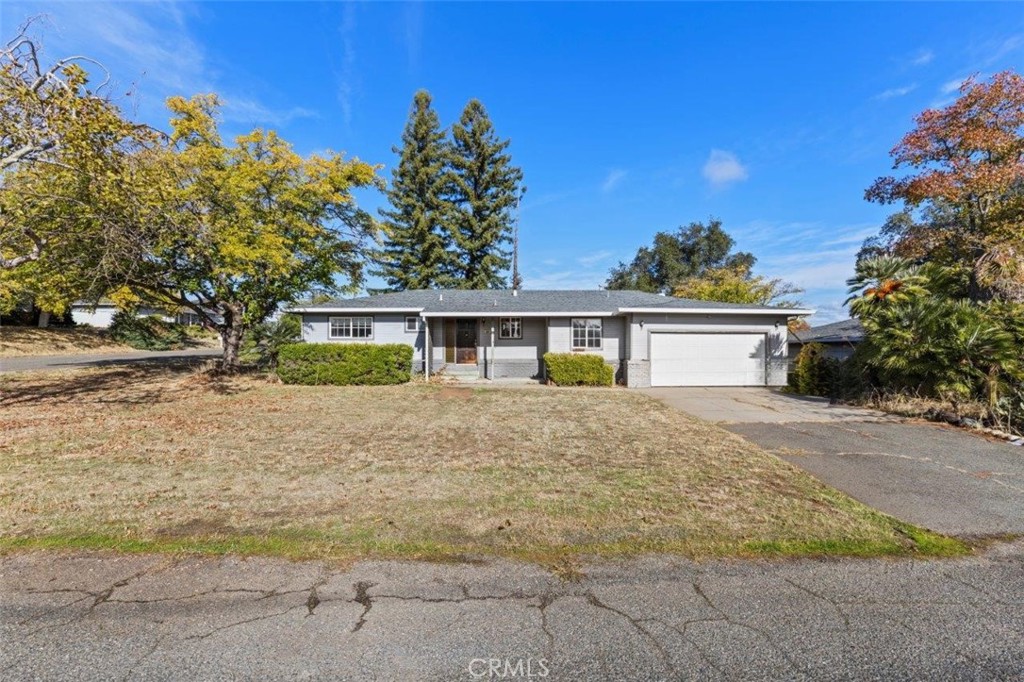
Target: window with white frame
column 586, row 333
column 412, row 324
column 351, row 328
column 510, row 328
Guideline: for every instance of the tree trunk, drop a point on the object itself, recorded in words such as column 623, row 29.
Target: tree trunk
column 44, row 319
column 231, row 337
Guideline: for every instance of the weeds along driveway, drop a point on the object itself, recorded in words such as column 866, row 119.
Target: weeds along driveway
column 158, row 457
column 935, row 476
column 938, row 477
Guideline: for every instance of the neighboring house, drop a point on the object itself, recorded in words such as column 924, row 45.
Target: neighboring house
column 101, row 314
column 649, row 339
column 839, row 338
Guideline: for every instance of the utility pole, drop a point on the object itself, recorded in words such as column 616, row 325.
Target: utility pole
column 517, row 280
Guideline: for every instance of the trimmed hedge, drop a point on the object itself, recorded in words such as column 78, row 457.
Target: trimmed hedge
column 578, row 369
column 345, row 364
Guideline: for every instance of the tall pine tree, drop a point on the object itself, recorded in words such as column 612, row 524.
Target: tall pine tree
column 483, row 187
column 416, row 252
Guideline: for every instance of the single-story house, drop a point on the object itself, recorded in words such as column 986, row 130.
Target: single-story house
column 650, row 340
column 101, row 313
column 840, row 339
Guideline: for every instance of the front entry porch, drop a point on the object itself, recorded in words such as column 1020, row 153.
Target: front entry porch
column 496, row 347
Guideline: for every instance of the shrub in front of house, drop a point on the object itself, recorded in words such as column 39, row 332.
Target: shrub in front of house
column 344, row 364
column 817, row 374
column 578, row 369
column 147, row 332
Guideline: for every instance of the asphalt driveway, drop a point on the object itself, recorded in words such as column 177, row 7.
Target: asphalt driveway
column 936, row 476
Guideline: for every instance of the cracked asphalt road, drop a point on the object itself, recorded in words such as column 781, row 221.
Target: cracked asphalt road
column 104, row 617
column 34, row 363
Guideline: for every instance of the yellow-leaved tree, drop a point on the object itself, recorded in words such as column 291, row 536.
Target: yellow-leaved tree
column 242, row 228
column 65, row 152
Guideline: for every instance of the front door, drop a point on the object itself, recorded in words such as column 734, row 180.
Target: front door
column 465, row 342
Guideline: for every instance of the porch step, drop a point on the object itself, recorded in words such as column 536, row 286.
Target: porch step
column 462, row 372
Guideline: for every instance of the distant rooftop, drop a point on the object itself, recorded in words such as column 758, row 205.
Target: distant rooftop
column 844, row 331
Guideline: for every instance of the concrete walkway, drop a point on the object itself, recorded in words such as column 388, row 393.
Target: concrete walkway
column 30, row 363
column 746, row 405
column 87, row 617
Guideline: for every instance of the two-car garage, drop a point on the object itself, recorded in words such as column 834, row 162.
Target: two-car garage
column 708, row 359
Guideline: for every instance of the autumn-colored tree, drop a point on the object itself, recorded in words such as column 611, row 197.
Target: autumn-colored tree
column 967, row 174
column 737, row 285
column 243, row 228
column 53, row 117
column 65, row 151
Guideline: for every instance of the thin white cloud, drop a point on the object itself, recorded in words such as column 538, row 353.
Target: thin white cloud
column 347, row 77
column 922, row 57
column 896, row 92
column 829, row 311
column 723, row 168
column 150, row 54
column 412, row 25
column 951, row 86
column 612, row 180
column 594, row 258
column 994, row 51
column 565, row 279
column 249, row 111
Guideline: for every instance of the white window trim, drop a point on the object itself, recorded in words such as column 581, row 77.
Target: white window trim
column 600, row 338
column 416, row 330
column 351, row 319
column 510, row 337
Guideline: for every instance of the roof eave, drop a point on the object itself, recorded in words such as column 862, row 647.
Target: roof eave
column 355, row 310
column 519, row 313
column 788, row 312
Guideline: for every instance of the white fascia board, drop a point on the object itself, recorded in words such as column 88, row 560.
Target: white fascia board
column 788, row 312
column 354, row 311
column 498, row 313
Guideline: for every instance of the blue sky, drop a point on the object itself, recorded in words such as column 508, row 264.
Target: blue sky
column 626, row 118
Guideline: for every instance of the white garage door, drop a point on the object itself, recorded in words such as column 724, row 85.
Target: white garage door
column 708, row 359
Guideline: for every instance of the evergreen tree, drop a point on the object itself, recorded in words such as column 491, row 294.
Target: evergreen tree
column 416, row 253
column 483, row 187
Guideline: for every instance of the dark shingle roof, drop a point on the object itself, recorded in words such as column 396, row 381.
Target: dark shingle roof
column 525, row 301
column 844, row 331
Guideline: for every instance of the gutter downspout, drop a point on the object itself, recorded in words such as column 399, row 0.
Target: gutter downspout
column 490, row 364
column 426, row 348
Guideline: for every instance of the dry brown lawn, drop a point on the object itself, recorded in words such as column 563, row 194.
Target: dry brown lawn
column 20, row 341
column 172, row 459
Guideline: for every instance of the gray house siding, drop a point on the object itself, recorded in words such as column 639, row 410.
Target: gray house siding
column 387, row 328
column 613, row 340
column 518, row 358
